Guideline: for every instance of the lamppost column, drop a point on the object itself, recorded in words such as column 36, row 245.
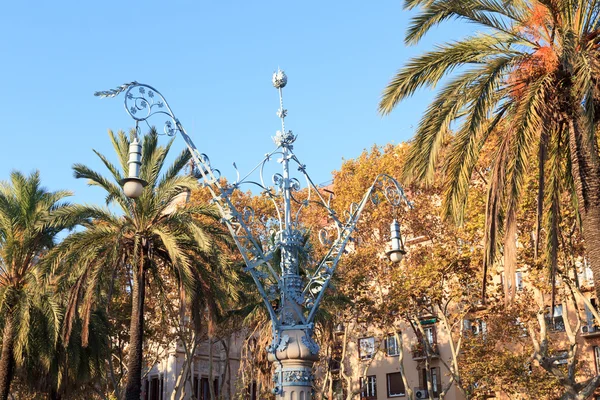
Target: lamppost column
column 296, row 352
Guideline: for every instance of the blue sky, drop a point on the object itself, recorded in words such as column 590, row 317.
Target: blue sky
column 213, row 61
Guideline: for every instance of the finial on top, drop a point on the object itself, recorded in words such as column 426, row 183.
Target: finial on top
column 279, row 79
column 282, row 138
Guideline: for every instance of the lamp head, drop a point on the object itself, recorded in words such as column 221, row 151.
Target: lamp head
column 132, row 187
column 397, row 251
column 396, row 256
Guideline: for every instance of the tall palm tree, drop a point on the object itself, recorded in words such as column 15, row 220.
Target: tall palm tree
column 526, row 89
column 148, row 233
column 30, row 219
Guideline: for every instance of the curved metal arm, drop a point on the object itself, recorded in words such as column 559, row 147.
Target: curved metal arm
column 320, row 279
column 142, row 102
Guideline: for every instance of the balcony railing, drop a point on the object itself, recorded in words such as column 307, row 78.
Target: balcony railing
column 419, row 351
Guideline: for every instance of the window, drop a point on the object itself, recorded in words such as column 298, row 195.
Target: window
column 556, row 322
column 430, row 334
column 591, row 325
column 435, row 383
column 202, row 390
column 519, row 281
column 597, row 358
column 391, row 345
column 366, row 348
column 521, row 324
column 368, row 387
column 154, row 388
column 395, row 385
column 479, row 327
column 433, row 377
column 338, row 390
column 589, row 275
column 563, row 357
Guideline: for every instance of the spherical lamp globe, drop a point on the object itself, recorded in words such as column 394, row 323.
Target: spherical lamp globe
column 133, row 187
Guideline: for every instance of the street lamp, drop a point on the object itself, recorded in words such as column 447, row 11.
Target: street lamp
column 291, row 300
column 397, row 251
column 133, row 185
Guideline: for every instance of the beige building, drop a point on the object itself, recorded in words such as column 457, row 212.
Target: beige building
column 161, row 380
column 375, row 355
column 374, row 363
column 372, row 357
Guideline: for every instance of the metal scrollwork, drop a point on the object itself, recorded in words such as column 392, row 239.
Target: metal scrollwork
column 392, row 195
column 284, row 139
column 169, row 129
column 248, row 214
column 288, row 318
column 283, row 343
column 324, row 237
column 295, row 184
column 142, row 102
column 278, row 180
column 309, row 342
column 375, row 198
column 114, row 92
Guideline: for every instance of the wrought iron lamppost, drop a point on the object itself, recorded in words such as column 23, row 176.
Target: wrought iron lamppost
column 290, row 300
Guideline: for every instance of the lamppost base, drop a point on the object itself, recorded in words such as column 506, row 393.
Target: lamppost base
column 294, row 362
column 297, row 380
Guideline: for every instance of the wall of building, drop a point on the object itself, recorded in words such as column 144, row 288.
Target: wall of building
column 164, row 374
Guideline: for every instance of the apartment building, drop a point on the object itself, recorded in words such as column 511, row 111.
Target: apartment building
column 373, row 356
column 161, row 379
column 374, row 363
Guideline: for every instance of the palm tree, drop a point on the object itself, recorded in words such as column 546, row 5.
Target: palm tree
column 30, row 219
column 526, row 91
column 66, row 371
column 148, row 233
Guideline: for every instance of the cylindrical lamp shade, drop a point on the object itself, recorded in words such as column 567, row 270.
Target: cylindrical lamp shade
column 133, row 185
column 397, row 248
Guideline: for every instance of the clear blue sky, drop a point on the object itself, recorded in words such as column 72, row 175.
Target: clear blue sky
column 213, row 61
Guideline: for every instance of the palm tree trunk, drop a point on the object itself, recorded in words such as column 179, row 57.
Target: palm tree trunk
column 586, row 176
column 54, row 395
column 7, row 359
column 133, row 386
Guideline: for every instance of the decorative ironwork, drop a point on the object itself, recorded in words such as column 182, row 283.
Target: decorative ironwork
column 310, row 343
column 290, row 300
column 292, row 378
column 298, row 377
column 283, row 343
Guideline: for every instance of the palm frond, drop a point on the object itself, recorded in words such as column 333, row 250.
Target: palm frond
column 114, row 192
column 497, row 15
column 493, row 207
column 434, row 127
column 428, row 69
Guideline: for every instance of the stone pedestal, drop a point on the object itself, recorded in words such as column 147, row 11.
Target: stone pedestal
column 293, row 360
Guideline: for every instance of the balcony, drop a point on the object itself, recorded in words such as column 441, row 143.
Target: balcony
column 419, row 351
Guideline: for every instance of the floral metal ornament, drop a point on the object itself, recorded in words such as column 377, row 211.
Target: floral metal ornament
column 291, row 299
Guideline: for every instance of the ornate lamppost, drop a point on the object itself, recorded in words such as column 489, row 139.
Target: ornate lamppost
column 290, row 300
